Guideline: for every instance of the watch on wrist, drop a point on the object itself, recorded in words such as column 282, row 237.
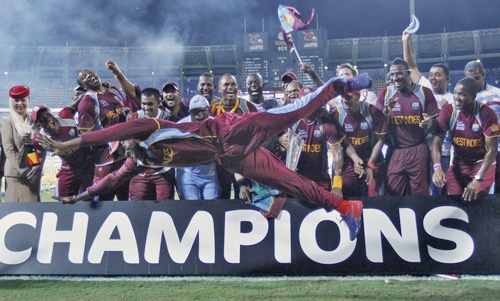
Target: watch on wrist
column 478, row 178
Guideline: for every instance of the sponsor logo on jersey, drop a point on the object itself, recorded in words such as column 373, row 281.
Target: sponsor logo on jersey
column 348, row 127
column 460, row 126
column 397, row 108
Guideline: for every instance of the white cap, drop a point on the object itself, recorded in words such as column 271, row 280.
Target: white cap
column 198, row 102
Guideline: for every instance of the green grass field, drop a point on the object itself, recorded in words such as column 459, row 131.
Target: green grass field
column 231, row 288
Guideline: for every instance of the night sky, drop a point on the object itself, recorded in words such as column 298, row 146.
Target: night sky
column 218, row 22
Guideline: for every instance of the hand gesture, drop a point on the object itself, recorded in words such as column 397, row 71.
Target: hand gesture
column 58, row 148
column 426, row 122
column 390, row 105
column 113, row 67
column 66, row 199
column 439, row 177
column 34, row 174
column 470, row 192
column 27, row 140
column 246, row 194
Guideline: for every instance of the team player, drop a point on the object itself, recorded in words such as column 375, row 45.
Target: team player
column 490, row 95
column 197, row 182
column 474, row 131
column 100, row 108
column 230, row 103
column 232, row 140
column 154, row 183
column 411, row 110
column 365, row 127
column 438, row 80
column 77, row 168
column 321, row 133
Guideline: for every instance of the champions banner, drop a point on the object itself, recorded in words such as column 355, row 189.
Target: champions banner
column 410, row 235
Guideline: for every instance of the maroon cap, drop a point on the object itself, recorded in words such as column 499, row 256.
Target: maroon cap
column 306, row 90
column 290, row 75
column 34, row 113
column 173, row 84
column 19, row 92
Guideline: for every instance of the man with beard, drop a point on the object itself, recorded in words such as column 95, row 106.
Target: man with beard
column 232, row 140
column 206, row 87
column 411, row 110
column 439, row 78
column 154, row 183
column 77, row 168
column 229, row 103
column 365, row 127
column 474, row 130
column 101, row 107
column 171, row 100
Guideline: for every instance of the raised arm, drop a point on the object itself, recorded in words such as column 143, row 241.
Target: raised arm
column 415, row 74
column 127, row 86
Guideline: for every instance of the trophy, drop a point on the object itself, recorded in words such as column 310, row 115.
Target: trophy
column 295, row 144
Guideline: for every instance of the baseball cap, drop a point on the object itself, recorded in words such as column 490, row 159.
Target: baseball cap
column 198, row 102
column 19, row 92
column 173, row 84
column 306, row 90
column 34, row 112
column 290, row 75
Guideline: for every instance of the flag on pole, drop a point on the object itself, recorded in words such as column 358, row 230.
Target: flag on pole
column 291, row 20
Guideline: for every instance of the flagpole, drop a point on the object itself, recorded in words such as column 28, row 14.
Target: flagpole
column 294, row 49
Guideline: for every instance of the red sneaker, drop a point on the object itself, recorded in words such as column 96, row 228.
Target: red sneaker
column 353, row 218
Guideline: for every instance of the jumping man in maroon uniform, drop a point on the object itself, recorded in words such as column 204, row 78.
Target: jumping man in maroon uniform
column 231, row 140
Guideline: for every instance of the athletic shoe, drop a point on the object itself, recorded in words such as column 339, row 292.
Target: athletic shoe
column 449, row 276
column 360, row 82
column 353, row 218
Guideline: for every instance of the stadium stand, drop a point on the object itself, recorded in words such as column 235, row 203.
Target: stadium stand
column 51, row 70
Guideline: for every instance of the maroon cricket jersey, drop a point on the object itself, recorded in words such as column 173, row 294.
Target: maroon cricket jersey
column 313, row 160
column 99, row 111
column 68, row 131
column 404, row 129
column 468, row 132
column 360, row 127
column 168, row 143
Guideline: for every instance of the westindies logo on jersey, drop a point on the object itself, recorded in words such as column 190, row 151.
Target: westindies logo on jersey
column 317, row 133
column 415, row 106
column 476, row 127
column 364, row 125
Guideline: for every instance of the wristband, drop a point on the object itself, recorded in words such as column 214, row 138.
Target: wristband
column 371, row 165
column 436, row 165
column 337, row 182
column 243, row 182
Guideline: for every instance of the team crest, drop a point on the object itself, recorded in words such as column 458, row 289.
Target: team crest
column 364, row 125
column 317, row 133
column 72, row 132
column 475, row 127
column 415, row 106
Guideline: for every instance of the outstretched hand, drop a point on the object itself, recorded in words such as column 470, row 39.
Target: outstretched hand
column 58, row 148
column 66, row 199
